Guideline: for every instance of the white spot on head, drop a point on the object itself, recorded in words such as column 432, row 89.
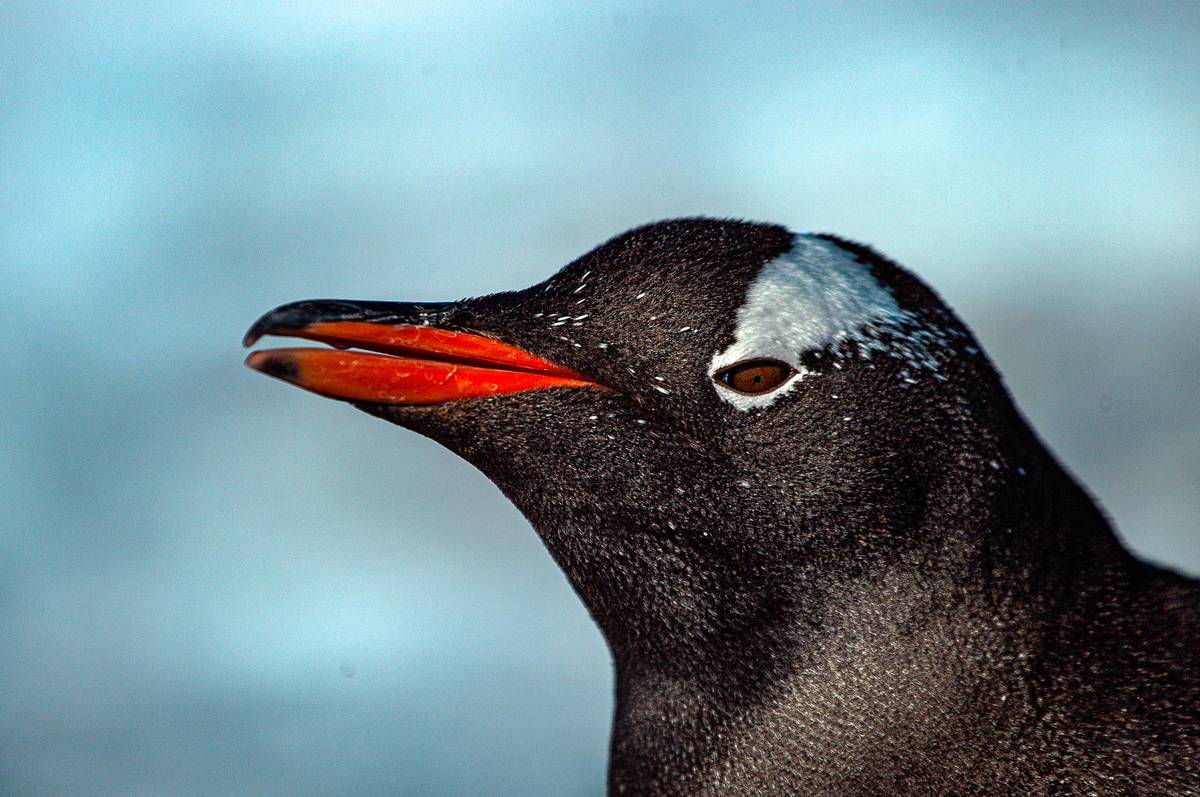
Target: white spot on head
column 812, row 296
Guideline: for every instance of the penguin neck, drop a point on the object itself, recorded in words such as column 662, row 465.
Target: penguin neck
column 943, row 657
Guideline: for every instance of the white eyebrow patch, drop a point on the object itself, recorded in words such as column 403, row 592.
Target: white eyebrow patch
column 814, row 295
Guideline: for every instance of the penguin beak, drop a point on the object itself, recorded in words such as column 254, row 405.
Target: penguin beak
column 404, row 357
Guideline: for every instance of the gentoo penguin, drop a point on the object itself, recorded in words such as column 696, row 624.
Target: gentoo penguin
column 828, row 554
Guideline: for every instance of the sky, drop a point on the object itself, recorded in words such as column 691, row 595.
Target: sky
column 214, row 584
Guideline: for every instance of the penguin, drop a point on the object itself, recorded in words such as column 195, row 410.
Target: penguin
column 828, row 554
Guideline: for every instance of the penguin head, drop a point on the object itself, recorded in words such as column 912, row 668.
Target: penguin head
column 705, row 420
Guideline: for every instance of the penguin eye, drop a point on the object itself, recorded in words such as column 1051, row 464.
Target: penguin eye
column 753, row 377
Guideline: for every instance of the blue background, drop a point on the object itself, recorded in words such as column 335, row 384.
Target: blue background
column 211, row 583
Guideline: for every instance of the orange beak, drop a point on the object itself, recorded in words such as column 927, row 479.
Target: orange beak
column 404, row 363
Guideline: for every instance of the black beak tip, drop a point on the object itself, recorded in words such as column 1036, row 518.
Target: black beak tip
column 276, row 365
column 294, row 316
column 264, row 326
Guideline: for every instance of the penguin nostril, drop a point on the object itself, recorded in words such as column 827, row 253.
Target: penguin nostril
column 754, row 377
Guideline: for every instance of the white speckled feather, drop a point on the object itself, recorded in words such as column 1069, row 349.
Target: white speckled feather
column 814, row 295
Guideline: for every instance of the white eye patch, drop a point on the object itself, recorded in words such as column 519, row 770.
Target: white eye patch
column 814, row 295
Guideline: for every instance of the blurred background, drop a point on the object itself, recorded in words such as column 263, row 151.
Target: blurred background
column 213, row 584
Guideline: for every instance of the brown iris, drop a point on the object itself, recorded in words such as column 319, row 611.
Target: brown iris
column 753, row 377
